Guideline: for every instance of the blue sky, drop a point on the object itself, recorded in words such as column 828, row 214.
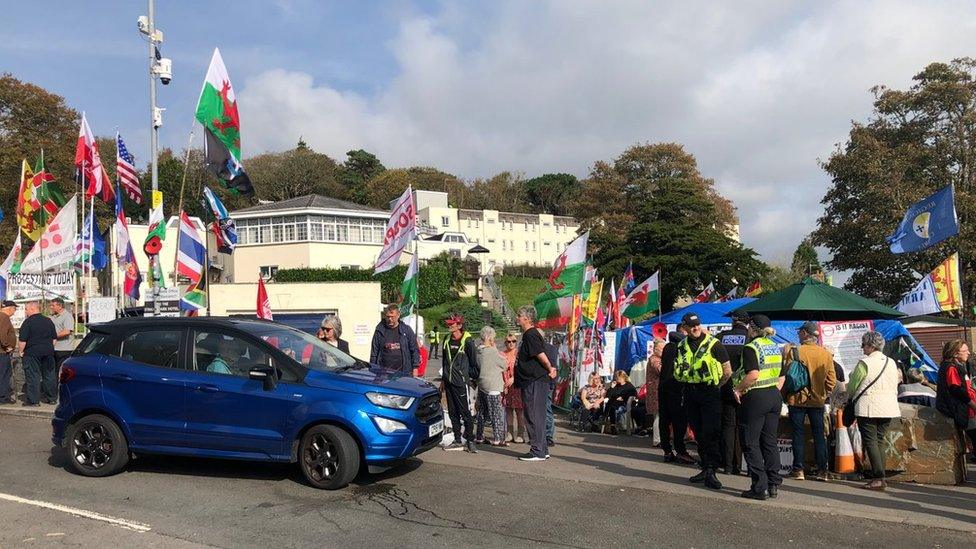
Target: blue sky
column 758, row 90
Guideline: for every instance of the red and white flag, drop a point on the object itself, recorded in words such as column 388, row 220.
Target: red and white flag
column 126, row 171
column 733, row 293
column 400, row 230
column 88, row 164
column 706, row 294
column 264, row 304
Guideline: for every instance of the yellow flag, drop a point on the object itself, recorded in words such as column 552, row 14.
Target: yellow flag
column 945, row 280
column 593, row 301
column 25, row 211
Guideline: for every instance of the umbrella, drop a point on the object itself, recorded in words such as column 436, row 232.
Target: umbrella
column 814, row 300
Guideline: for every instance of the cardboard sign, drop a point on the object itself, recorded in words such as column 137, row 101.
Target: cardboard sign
column 843, row 339
column 101, row 309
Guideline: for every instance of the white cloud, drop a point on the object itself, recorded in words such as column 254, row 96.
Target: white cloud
column 758, row 91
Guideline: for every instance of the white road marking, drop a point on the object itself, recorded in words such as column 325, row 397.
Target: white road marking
column 122, row 523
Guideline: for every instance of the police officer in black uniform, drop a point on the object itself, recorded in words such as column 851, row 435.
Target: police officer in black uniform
column 703, row 365
column 733, row 339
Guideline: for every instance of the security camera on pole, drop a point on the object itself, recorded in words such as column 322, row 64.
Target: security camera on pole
column 162, row 68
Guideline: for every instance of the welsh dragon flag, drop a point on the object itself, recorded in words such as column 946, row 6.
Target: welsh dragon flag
column 644, row 299
column 217, row 112
column 409, row 288
column 555, row 303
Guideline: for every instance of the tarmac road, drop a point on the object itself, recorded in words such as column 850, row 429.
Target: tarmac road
column 439, row 499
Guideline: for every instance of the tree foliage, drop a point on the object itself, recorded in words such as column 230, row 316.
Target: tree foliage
column 390, row 184
column 32, row 119
column 916, row 141
column 551, row 193
column 654, row 207
column 360, row 166
column 296, row 172
column 805, row 261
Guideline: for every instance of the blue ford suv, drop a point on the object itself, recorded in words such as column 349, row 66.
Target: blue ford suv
column 237, row 389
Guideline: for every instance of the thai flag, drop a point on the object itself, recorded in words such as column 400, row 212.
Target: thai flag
column 191, row 254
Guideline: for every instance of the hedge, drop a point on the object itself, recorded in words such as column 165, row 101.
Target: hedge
column 434, row 284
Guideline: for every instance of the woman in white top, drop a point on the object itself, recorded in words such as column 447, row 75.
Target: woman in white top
column 491, row 384
column 874, row 383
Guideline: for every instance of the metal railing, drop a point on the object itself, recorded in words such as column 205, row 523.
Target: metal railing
column 497, row 301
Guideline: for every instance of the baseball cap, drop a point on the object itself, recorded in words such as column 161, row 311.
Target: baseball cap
column 690, row 320
column 741, row 316
column 8, row 303
column 810, row 327
column 760, row 321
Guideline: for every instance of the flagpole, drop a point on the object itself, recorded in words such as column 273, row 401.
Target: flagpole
column 82, row 292
column 91, row 252
column 43, row 227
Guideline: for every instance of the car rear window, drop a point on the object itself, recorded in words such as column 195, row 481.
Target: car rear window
column 90, row 344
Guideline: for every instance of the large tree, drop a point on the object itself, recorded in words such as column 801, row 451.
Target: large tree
column 805, row 261
column 296, row 172
column 653, row 207
column 916, row 141
column 385, row 187
column 551, row 193
column 360, row 166
column 31, row 119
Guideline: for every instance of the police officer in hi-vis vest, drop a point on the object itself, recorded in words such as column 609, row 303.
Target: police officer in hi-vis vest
column 757, row 385
column 703, row 366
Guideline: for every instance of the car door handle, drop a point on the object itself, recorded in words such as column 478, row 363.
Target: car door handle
column 123, row 377
column 208, row 388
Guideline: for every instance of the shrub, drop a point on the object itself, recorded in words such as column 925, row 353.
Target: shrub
column 434, row 286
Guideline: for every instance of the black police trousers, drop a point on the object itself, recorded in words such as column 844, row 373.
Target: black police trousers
column 703, row 404
column 673, row 422
column 759, row 422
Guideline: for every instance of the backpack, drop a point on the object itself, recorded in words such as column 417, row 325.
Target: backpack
column 797, row 375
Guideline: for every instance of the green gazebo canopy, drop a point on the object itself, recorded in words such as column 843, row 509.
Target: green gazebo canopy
column 814, row 300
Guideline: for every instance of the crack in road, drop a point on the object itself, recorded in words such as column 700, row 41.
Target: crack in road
column 395, row 502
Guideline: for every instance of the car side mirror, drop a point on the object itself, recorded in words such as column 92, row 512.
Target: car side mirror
column 264, row 375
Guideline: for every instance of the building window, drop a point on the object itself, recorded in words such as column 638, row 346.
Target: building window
column 491, row 241
column 468, row 223
column 490, row 220
column 445, row 221
column 504, row 245
column 269, row 271
column 533, row 246
column 526, row 226
column 476, row 224
column 545, row 224
column 547, row 243
column 526, row 245
column 511, row 245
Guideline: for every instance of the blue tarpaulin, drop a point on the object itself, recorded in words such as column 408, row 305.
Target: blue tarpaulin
column 631, row 342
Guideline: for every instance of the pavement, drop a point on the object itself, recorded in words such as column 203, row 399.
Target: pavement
column 597, row 490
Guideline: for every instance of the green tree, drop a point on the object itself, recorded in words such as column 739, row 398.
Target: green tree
column 653, row 206
column 776, row 278
column 31, row 119
column 551, row 193
column 805, row 261
column 297, row 172
column 385, row 187
column 360, row 166
column 916, row 141
column 504, row 192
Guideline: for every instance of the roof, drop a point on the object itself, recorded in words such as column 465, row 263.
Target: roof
column 204, row 321
column 814, row 300
column 309, row 202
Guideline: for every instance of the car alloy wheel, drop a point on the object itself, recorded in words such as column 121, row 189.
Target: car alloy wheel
column 321, row 459
column 93, row 446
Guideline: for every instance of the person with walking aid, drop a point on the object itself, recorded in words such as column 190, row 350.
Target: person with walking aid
column 37, row 337
column 955, row 396
column 491, row 383
column 874, row 390
column 670, row 394
column 756, row 387
column 733, row 339
column 460, row 370
column 533, row 373
column 703, row 366
column 8, row 342
column 810, row 401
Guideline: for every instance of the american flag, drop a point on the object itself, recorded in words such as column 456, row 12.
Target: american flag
column 128, row 177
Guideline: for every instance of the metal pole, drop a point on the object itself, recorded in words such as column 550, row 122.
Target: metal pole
column 154, row 135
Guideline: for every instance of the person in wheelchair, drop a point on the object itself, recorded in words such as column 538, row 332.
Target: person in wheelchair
column 592, row 397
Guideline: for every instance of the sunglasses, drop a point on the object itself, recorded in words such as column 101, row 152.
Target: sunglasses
column 326, row 328
column 511, row 341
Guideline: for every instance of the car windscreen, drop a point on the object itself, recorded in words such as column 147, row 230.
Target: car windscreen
column 306, row 349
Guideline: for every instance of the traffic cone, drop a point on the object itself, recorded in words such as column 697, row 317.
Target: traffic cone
column 844, row 458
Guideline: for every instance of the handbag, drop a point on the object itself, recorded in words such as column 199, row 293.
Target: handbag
column 847, row 418
column 797, row 375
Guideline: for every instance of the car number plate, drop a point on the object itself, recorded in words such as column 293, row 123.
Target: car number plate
column 436, row 428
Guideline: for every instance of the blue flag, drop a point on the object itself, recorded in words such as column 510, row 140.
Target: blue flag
column 927, row 222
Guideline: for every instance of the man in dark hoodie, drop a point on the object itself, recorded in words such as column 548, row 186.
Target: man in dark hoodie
column 459, row 371
column 394, row 344
column 673, row 423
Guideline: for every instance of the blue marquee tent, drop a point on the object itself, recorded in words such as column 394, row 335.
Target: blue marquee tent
column 631, row 342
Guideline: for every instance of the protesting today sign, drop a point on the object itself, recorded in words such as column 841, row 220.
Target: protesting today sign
column 34, row 287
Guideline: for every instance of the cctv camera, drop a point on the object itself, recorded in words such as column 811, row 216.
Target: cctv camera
column 143, row 24
column 164, row 68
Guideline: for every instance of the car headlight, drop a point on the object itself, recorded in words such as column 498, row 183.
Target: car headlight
column 386, row 400
column 389, row 426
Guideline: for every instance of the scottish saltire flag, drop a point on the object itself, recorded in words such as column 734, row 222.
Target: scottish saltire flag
column 926, row 223
column 191, row 254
